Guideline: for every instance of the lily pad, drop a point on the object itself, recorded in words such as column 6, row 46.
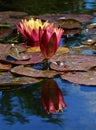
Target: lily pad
column 83, row 49
column 92, row 25
column 15, row 51
column 7, row 79
column 71, row 32
column 62, row 50
column 59, row 50
column 53, row 17
column 5, row 31
column 33, row 49
column 18, row 52
column 31, row 72
column 69, row 62
column 68, row 23
column 5, row 67
column 12, row 14
column 89, row 31
column 12, row 17
column 4, row 49
column 83, row 78
column 89, row 41
column 34, row 58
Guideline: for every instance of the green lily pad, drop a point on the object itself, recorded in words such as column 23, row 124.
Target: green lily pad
column 31, row 72
column 69, row 62
column 83, row 78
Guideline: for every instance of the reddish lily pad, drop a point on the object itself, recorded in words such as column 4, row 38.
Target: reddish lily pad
column 92, row 25
column 34, row 58
column 71, row 32
column 69, row 62
column 4, row 49
column 7, row 79
column 5, row 31
column 68, row 23
column 18, row 52
column 5, row 67
column 12, row 14
column 31, row 72
column 89, row 31
column 15, row 51
column 83, row 78
column 89, row 41
column 53, row 17
column 12, row 17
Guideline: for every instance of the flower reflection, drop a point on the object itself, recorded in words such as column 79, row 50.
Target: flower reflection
column 52, row 98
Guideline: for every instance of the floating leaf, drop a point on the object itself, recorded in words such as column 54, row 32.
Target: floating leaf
column 84, row 78
column 7, row 79
column 92, row 25
column 62, row 50
column 89, row 41
column 12, row 17
column 70, row 26
column 4, row 49
column 71, row 32
column 5, row 67
column 68, row 23
column 70, row 62
column 34, row 58
column 53, row 17
column 33, row 49
column 12, row 14
column 83, row 49
column 5, row 31
column 18, row 52
column 89, row 31
column 31, row 72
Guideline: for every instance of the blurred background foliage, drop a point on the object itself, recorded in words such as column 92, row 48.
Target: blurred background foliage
column 36, row 7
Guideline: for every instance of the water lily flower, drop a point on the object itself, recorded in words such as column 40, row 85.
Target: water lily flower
column 49, row 40
column 29, row 29
column 52, row 98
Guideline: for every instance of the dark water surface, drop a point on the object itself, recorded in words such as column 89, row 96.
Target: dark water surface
column 20, row 109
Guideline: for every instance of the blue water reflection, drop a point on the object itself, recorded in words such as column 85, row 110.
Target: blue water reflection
column 90, row 4
column 21, row 108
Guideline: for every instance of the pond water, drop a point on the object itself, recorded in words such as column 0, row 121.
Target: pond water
column 20, row 108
